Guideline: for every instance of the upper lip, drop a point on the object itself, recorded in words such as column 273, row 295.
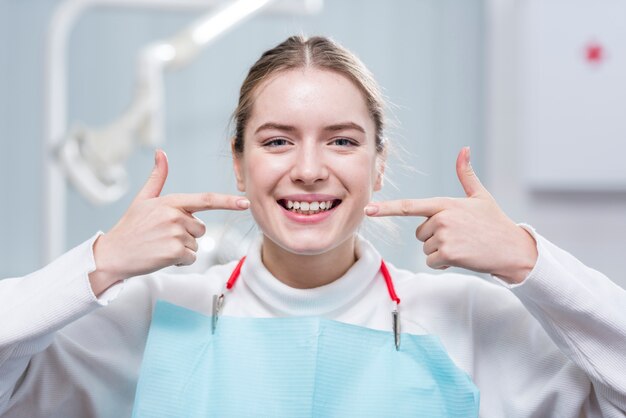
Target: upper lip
column 313, row 197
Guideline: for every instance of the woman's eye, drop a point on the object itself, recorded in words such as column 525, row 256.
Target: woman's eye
column 343, row 142
column 276, row 142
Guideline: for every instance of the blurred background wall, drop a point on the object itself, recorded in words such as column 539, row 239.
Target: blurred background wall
column 560, row 168
column 450, row 69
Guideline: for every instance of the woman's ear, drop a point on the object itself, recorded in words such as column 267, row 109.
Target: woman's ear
column 237, row 161
column 381, row 159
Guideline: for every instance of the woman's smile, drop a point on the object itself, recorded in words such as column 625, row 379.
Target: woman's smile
column 309, row 209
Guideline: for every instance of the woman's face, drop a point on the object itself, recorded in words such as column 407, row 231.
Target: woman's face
column 309, row 165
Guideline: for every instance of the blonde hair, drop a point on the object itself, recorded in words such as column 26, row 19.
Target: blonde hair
column 315, row 52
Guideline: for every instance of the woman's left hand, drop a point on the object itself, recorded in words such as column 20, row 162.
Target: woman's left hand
column 470, row 232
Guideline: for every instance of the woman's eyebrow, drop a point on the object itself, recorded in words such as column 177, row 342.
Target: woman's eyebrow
column 344, row 126
column 276, row 126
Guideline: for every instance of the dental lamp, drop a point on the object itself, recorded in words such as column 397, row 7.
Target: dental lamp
column 94, row 159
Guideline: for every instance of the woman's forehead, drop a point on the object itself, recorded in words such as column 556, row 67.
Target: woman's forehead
column 310, row 96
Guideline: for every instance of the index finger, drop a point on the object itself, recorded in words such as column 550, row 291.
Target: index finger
column 196, row 202
column 407, row 207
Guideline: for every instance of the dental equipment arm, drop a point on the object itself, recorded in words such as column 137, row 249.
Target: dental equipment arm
column 94, row 159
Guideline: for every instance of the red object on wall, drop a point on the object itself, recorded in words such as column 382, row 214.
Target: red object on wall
column 572, row 90
column 594, row 52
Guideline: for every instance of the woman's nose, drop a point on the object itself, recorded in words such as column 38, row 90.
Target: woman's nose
column 309, row 166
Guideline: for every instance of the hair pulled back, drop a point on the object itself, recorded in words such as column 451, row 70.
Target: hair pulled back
column 315, row 52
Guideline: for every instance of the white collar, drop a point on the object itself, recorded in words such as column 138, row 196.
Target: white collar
column 316, row 301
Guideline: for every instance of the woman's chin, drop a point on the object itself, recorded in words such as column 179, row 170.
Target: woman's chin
column 304, row 246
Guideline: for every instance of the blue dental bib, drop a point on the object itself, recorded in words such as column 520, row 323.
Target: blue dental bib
column 293, row 367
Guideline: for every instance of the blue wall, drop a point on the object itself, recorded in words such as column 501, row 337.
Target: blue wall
column 427, row 55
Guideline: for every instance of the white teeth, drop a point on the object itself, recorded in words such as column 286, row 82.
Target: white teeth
column 310, row 207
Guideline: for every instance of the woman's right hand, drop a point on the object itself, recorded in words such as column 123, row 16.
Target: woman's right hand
column 155, row 232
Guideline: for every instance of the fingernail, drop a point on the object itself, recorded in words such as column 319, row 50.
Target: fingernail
column 467, row 155
column 243, row 203
column 371, row 210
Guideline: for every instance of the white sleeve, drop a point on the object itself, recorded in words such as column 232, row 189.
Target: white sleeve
column 37, row 305
column 584, row 313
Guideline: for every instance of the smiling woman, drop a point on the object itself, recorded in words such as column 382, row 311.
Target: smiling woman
column 309, row 130
column 312, row 322
column 322, row 148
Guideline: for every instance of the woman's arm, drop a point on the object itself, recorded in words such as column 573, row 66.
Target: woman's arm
column 43, row 370
column 35, row 306
column 582, row 311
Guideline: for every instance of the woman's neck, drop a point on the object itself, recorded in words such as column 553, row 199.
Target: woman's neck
column 308, row 271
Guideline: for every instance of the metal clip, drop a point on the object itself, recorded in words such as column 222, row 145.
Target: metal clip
column 218, row 301
column 396, row 326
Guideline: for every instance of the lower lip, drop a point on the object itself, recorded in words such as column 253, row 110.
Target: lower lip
column 307, row 219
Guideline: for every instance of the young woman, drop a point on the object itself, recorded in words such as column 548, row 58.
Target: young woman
column 312, row 322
